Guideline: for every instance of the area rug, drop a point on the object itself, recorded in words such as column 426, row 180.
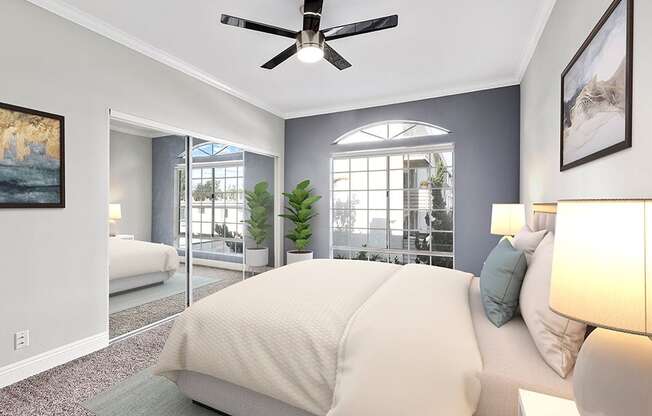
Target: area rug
column 176, row 284
column 145, row 394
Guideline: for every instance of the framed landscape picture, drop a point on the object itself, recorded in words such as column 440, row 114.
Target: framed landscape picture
column 32, row 173
column 596, row 90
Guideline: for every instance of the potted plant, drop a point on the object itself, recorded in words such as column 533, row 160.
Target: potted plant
column 258, row 201
column 300, row 212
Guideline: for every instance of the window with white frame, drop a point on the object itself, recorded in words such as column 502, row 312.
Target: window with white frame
column 217, row 201
column 394, row 206
column 391, row 130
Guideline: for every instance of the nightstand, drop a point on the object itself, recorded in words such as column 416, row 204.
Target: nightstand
column 537, row 404
column 125, row 236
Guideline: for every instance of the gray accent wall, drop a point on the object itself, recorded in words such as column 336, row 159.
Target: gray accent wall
column 165, row 157
column 485, row 131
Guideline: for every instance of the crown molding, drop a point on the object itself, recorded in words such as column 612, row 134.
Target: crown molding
column 92, row 23
column 541, row 21
column 398, row 99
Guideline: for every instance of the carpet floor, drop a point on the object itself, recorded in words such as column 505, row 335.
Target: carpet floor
column 139, row 316
column 62, row 390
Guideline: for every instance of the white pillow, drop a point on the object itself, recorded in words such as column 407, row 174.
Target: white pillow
column 527, row 241
column 558, row 339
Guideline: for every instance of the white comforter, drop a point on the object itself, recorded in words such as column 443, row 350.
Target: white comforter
column 338, row 338
column 132, row 258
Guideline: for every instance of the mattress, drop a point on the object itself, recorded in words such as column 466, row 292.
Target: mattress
column 327, row 336
column 510, row 361
column 129, row 258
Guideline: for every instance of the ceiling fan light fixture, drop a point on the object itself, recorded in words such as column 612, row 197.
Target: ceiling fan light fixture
column 310, row 54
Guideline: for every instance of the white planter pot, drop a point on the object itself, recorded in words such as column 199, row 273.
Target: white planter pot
column 297, row 256
column 257, row 257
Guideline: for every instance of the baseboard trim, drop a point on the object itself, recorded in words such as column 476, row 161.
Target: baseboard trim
column 28, row 367
column 217, row 264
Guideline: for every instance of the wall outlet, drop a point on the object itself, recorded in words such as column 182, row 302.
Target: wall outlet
column 21, row 339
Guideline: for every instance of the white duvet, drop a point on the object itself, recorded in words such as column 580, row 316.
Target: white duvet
column 338, row 338
column 129, row 258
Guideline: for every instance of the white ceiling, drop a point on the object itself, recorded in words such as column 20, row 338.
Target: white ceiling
column 440, row 47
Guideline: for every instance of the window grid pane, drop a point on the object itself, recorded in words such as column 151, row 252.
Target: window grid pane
column 414, row 222
column 218, row 208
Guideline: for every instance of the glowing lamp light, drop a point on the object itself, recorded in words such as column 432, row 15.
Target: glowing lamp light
column 310, row 54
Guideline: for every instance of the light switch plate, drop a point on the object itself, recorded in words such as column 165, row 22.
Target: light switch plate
column 21, row 339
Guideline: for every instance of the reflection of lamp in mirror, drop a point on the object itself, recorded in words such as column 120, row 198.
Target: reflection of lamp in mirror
column 115, row 214
column 507, row 219
column 602, row 275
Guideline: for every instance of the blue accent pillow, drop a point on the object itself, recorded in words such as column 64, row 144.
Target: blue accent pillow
column 500, row 282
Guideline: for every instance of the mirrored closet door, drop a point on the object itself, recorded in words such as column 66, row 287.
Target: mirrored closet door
column 189, row 217
column 217, row 216
column 147, row 274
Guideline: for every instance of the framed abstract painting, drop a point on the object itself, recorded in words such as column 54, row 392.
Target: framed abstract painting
column 32, row 166
column 596, row 91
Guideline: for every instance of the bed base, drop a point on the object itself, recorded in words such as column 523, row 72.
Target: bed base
column 138, row 281
column 213, row 393
column 205, row 406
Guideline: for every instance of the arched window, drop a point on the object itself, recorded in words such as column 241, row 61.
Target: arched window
column 391, row 130
column 211, row 149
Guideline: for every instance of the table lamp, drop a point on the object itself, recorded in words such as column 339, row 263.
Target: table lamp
column 115, row 214
column 507, row 219
column 602, row 275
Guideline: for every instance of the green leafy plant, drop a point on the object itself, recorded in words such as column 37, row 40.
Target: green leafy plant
column 300, row 211
column 259, row 202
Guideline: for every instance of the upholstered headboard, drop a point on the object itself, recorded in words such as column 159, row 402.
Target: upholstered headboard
column 544, row 217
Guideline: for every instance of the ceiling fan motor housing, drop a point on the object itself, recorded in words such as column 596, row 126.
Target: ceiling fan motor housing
column 308, row 38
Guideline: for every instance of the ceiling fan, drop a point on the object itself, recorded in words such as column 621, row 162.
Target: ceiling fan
column 310, row 43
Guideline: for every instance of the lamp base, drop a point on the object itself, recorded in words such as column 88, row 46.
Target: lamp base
column 613, row 375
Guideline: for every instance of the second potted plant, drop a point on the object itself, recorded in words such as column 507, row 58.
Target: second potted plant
column 258, row 201
column 300, row 212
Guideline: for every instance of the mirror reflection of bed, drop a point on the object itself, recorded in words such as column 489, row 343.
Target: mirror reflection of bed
column 147, row 222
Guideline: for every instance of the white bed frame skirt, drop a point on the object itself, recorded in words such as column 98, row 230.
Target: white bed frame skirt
column 231, row 399
column 141, row 280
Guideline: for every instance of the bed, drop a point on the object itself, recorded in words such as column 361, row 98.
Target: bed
column 134, row 264
column 356, row 338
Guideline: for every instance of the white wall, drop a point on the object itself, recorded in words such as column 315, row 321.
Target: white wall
column 53, row 274
column 130, row 173
column 624, row 174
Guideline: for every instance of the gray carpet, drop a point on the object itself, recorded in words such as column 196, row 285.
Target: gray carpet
column 137, row 317
column 62, row 390
column 145, row 395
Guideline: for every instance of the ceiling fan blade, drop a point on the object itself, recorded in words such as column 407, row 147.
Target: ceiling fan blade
column 312, row 14
column 359, row 28
column 335, row 58
column 281, row 57
column 258, row 27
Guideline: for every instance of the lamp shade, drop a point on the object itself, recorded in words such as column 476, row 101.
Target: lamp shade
column 602, row 264
column 115, row 212
column 507, row 219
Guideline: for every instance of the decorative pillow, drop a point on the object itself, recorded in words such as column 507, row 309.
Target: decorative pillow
column 500, row 282
column 527, row 241
column 558, row 339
